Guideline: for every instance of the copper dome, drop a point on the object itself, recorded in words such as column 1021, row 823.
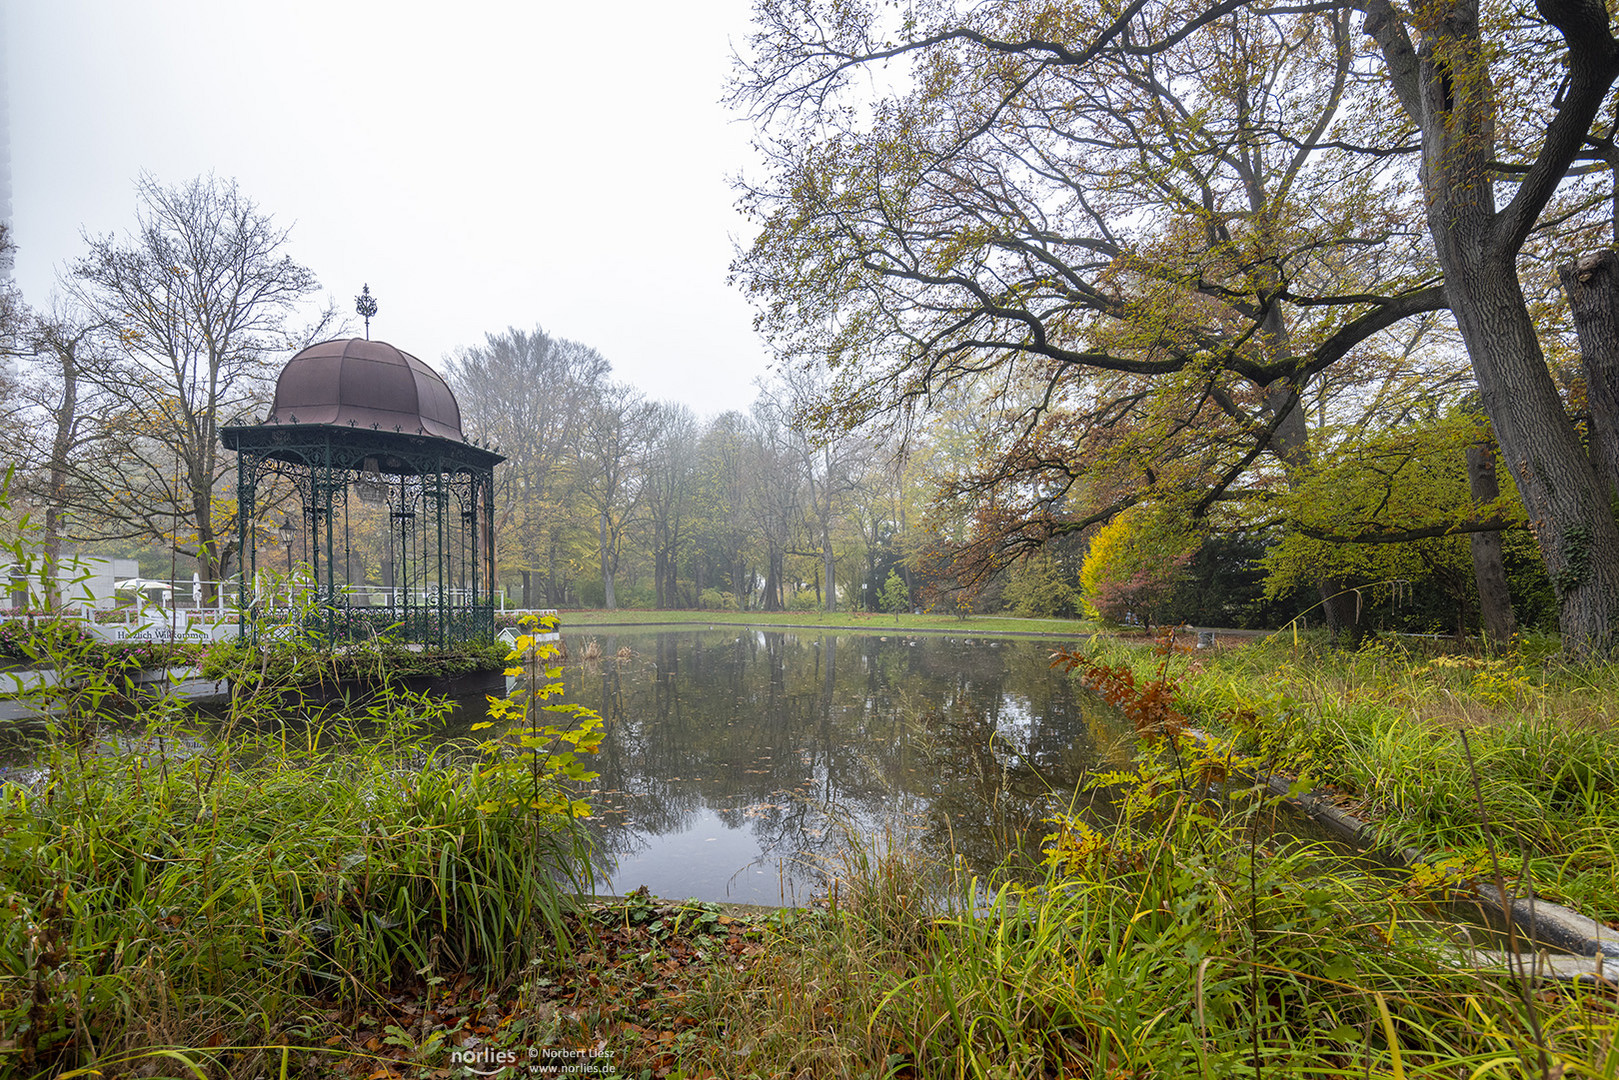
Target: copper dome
column 365, row 384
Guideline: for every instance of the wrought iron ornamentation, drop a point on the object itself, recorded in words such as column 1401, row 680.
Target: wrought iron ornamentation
column 365, row 305
column 398, row 529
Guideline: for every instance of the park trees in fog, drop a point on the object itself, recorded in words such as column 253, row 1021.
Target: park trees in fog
column 529, row 393
column 614, row 439
column 162, row 335
column 50, row 415
column 199, row 302
column 1160, row 228
column 671, row 461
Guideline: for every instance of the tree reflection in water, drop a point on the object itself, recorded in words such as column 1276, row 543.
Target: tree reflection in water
column 737, row 762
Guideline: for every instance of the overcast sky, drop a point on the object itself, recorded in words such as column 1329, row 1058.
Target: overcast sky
column 480, row 165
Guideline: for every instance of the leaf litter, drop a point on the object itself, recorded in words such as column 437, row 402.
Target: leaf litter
column 622, row 997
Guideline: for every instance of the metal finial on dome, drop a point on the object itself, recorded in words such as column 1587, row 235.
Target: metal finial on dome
column 365, row 305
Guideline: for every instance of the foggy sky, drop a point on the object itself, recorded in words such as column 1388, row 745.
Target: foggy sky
column 480, row 165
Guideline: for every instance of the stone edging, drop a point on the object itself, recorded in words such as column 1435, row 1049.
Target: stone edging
column 1540, row 921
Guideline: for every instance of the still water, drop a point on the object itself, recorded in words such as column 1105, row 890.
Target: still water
column 737, row 762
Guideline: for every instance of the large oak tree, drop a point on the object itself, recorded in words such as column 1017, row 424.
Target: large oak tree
column 1166, row 219
column 1452, row 79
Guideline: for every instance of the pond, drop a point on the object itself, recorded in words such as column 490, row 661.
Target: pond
column 738, row 761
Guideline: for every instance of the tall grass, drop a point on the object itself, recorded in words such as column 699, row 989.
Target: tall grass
column 1187, row 942
column 1382, row 725
column 166, row 882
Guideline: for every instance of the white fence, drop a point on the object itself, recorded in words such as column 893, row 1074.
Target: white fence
column 152, row 609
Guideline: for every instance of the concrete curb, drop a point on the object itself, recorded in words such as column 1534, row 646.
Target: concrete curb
column 1538, row 920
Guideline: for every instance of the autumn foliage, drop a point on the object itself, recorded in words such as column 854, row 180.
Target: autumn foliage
column 1134, row 564
column 1149, row 705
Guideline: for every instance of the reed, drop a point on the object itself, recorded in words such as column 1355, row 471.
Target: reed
column 1381, row 726
column 173, row 882
column 1186, row 941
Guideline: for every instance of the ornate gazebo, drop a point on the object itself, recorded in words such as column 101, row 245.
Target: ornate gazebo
column 397, row 523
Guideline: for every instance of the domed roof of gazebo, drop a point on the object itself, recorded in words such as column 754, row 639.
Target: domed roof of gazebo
column 365, row 384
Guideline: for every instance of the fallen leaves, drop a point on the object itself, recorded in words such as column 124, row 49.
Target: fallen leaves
column 623, row 993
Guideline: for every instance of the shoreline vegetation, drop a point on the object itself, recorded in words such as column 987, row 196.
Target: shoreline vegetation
column 275, row 901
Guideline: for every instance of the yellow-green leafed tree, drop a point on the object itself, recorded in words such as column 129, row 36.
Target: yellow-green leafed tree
column 1134, row 563
column 1394, row 508
column 1042, row 587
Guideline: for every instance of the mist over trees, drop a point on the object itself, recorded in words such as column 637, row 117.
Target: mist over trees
column 1221, row 385
column 646, row 504
column 653, row 506
column 160, row 337
column 1190, row 257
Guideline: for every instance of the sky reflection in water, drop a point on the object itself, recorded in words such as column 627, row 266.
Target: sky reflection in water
column 737, row 761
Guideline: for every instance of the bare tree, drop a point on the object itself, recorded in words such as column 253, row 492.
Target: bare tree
column 530, row 393
column 52, row 416
column 774, row 497
column 198, row 297
column 829, row 460
column 612, row 448
column 723, row 532
column 671, row 465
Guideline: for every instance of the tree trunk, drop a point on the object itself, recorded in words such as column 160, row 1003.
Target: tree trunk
column 1592, row 285
column 659, row 557
column 1340, row 600
column 609, row 600
column 1445, row 86
column 831, row 568
column 556, row 586
column 1341, row 603
column 1568, row 510
column 61, row 445
column 1489, row 569
column 775, row 582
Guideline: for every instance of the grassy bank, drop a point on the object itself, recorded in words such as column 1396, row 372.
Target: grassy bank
column 1203, row 947
column 838, row 620
column 1390, row 728
column 262, row 899
column 177, row 881
column 1198, row 945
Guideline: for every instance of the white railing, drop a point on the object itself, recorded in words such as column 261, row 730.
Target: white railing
column 159, row 610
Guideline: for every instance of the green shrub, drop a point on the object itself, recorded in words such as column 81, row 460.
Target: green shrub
column 715, row 600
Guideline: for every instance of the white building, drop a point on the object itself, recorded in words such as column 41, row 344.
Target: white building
column 81, row 582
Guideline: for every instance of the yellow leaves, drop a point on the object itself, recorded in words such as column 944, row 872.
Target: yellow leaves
column 525, row 647
column 1134, row 560
column 534, row 764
